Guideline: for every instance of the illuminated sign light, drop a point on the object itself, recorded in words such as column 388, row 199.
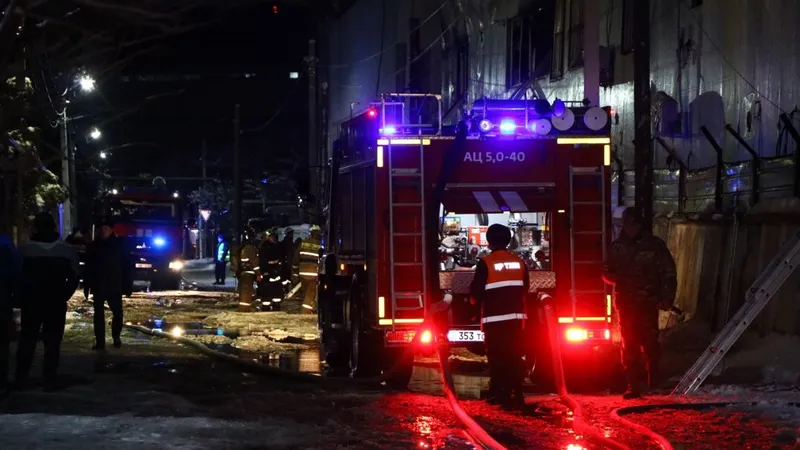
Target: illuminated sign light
column 580, row 319
column 398, row 321
column 583, row 140
column 381, row 307
column 406, row 141
column 379, row 156
column 401, row 141
column 606, row 155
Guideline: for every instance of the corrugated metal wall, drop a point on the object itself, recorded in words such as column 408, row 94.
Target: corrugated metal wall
column 710, row 60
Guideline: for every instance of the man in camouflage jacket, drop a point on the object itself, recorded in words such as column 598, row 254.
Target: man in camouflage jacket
column 643, row 273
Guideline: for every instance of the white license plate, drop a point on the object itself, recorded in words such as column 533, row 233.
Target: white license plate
column 465, row 336
column 144, row 266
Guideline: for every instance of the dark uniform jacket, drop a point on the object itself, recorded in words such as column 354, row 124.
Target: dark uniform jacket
column 108, row 268
column 269, row 259
column 642, row 270
column 500, row 285
column 9, row 275
column 49, row 270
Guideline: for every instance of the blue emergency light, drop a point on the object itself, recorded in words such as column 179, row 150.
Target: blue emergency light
column 159, row 242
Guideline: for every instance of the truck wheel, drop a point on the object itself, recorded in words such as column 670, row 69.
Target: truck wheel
column 398, row 364
column 365, row 347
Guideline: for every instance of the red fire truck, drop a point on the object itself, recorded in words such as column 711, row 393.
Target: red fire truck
column 150, row 221
column 540, row 168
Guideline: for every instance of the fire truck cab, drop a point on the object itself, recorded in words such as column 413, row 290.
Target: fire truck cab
column 409, row 205
column 149, row 220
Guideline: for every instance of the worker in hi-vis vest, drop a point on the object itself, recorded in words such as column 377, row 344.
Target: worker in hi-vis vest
column 499, row 288
column 309, row 267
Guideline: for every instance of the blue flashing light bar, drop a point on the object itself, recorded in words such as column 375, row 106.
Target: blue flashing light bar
column 159, row 242
column 508, row 126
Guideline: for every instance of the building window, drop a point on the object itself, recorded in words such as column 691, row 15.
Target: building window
column 626, row 44
column 557, row 66
column 576, row 33
column 518, row 57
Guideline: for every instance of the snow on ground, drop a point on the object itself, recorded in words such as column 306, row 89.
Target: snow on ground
column 276, row 325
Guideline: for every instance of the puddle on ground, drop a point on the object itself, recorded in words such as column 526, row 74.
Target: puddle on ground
column 425, row 380
column 306, row 360
column 428, row 380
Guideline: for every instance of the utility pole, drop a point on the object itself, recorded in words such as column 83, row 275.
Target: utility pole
column 313, row 150
column 73, row 190
column 237, row 180
column 66, row 207
column 591, row 52
column 201, row 223
column 643, row 156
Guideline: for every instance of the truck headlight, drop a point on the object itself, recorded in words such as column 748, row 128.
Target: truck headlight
column 176, row 265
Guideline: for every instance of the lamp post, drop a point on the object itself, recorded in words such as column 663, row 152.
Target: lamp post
column 69, row 213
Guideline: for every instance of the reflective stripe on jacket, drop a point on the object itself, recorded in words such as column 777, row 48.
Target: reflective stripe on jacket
column 500, row 286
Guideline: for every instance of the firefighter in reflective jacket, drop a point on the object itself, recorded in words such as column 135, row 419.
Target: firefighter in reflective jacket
column 270, row 289
column 499, row 288
column 309, row 267
column 247, row 272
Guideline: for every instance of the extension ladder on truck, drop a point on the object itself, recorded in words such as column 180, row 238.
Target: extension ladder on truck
column 760, row 293
column 406, row 227
column 587, row 243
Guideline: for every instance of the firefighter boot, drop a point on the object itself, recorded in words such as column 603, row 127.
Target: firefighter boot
column 310, row 297
column 246, row 280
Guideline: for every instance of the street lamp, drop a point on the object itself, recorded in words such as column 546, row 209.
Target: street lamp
column 87, row 83
column 95, row 134
column 103, row 155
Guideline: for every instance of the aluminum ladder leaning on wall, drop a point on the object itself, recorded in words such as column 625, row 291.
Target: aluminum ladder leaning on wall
column 760, row 293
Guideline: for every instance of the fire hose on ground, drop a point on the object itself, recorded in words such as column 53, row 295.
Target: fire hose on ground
column 580, row 424
column 474, row 430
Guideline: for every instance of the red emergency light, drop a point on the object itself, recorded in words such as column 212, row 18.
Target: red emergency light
column 372, row 113
column 574, row 334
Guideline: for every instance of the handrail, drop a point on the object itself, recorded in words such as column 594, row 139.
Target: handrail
column 682, row 196
column 437, row 97
column 787, row 122
column 720, row 166
column 756, row 167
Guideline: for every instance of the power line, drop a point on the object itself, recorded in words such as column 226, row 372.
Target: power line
column 384, row 50
column 427, row 49
column 728, row 62
column 286, row 101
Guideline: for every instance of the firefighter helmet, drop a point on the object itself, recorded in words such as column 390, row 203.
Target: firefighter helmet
column 315, row 228
column 499, row 236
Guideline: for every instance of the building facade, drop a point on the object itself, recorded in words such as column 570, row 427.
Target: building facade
column 714, row 63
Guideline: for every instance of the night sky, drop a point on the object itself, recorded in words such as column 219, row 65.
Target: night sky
column 159, row 109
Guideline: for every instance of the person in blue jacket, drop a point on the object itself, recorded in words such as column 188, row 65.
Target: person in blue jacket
column 220, row 260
